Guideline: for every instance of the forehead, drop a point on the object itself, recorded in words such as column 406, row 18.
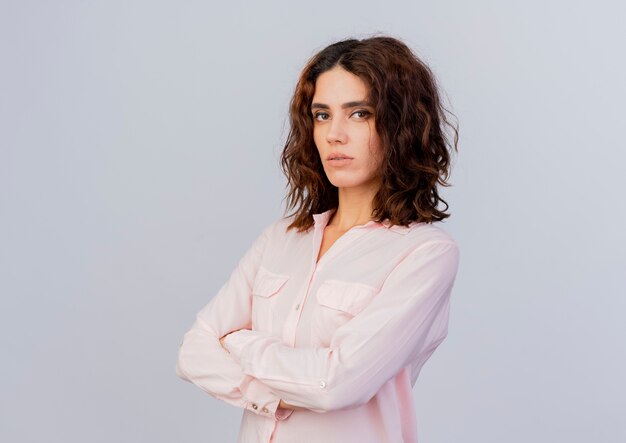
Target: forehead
column 337, row 86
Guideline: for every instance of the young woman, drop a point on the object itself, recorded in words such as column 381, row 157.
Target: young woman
column 321, row 330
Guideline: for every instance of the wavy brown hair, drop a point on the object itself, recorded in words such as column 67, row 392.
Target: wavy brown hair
column 409, row 118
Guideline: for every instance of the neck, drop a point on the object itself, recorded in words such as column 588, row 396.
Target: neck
column 355, row 208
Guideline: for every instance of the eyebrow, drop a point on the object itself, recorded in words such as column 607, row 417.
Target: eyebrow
column 344, row 106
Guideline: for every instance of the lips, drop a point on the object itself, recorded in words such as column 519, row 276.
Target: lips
column 337, row 156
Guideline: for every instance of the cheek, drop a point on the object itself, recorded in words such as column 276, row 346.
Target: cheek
column 376, row 149
column 318, row 137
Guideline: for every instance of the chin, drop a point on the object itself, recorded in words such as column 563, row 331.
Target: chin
column 346, row 182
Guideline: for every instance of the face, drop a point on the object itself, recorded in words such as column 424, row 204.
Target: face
column 343, row 126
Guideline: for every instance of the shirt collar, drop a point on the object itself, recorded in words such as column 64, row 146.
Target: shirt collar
column 321, row 219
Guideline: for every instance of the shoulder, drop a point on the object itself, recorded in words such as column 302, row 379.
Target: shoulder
column 430, row 234
column 433, row 246
column 276, row 229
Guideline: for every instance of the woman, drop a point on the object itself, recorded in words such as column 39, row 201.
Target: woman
column 320, row 332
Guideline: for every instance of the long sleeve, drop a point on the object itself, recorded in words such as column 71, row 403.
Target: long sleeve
column 204, row 362
column 402, row 325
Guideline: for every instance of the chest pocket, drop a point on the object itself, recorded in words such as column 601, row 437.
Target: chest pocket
column 337, row 302
column 267, row 286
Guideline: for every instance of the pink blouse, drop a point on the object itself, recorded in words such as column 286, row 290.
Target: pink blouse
column 344, row 338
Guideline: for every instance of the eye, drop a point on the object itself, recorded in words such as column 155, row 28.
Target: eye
column 317, row 114
column 363, row 112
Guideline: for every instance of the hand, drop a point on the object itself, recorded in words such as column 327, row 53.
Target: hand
column 284, row 405
column 222, row 343
column 222, row 339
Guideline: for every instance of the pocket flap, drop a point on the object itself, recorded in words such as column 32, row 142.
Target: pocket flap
column 350, row 297
column 268, row 283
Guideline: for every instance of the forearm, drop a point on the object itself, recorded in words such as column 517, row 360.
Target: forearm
column 401, row 326
column 282, row 404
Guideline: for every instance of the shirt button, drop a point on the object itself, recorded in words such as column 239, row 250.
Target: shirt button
column 322, row 384
column 297, row 306
column 265, row 410
column 254, row 406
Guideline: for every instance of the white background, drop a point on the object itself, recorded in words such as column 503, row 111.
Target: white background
column 139, row 146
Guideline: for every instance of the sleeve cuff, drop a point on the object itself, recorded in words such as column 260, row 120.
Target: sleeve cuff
column 257, row 396
column 260, row 399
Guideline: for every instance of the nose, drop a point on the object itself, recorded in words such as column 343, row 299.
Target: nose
column 336, row 131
